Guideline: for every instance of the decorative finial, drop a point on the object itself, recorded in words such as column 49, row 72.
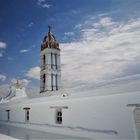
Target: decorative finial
column 18, row 84
column 49, row 28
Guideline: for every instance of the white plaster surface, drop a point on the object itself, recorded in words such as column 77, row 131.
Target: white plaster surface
column 14, row 133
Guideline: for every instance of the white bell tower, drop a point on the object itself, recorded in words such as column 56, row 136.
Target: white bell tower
column 50, row 75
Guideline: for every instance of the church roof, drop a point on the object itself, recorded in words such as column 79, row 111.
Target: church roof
column 121, row 87
column 49, row 41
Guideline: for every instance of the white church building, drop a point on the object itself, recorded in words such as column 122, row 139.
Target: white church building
column 108, row 111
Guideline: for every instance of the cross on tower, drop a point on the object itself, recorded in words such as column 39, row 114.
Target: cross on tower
column 49, row 28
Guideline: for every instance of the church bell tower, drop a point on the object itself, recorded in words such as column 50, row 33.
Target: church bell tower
column 50, row 76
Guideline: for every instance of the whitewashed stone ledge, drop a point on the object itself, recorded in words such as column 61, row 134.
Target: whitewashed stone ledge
column 5, row 137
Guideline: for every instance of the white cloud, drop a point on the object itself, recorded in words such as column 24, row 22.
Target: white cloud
column 10, row 58
column 106, row 21
column 3, row 45
column 25, row 82
column 40, row 1
column 4, row 90
column 2, row 77
column 30, row 24
column 75, row 11
column 78, row 26
column 1, row 54
column 34, row 73
column 103, row 14
column 104, row 51
column 69, row 33
column 46, row 5
column 103, row 22
column 43, row 4
column 24, row 51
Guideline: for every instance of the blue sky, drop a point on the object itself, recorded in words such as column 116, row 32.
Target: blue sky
column 99, row 37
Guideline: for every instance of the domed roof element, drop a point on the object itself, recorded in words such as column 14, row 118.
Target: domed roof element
column 49, row 41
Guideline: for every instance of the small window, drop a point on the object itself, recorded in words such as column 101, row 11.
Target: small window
column 27, row 114
column 44, row 60
column 8, row 115
column 51, row 60
column 59, row 116
column 55, row 61
column 56, row 81
column 44, row 79
column 52, row 81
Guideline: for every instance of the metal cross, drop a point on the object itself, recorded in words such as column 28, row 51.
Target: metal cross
column 49, row 28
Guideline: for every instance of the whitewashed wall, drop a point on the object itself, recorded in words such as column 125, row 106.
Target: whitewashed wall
column 101, row 113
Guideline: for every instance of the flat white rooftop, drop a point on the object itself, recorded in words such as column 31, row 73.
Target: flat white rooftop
column 14, row 133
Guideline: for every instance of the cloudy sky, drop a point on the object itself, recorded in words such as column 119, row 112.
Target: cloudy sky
column 99, row 40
